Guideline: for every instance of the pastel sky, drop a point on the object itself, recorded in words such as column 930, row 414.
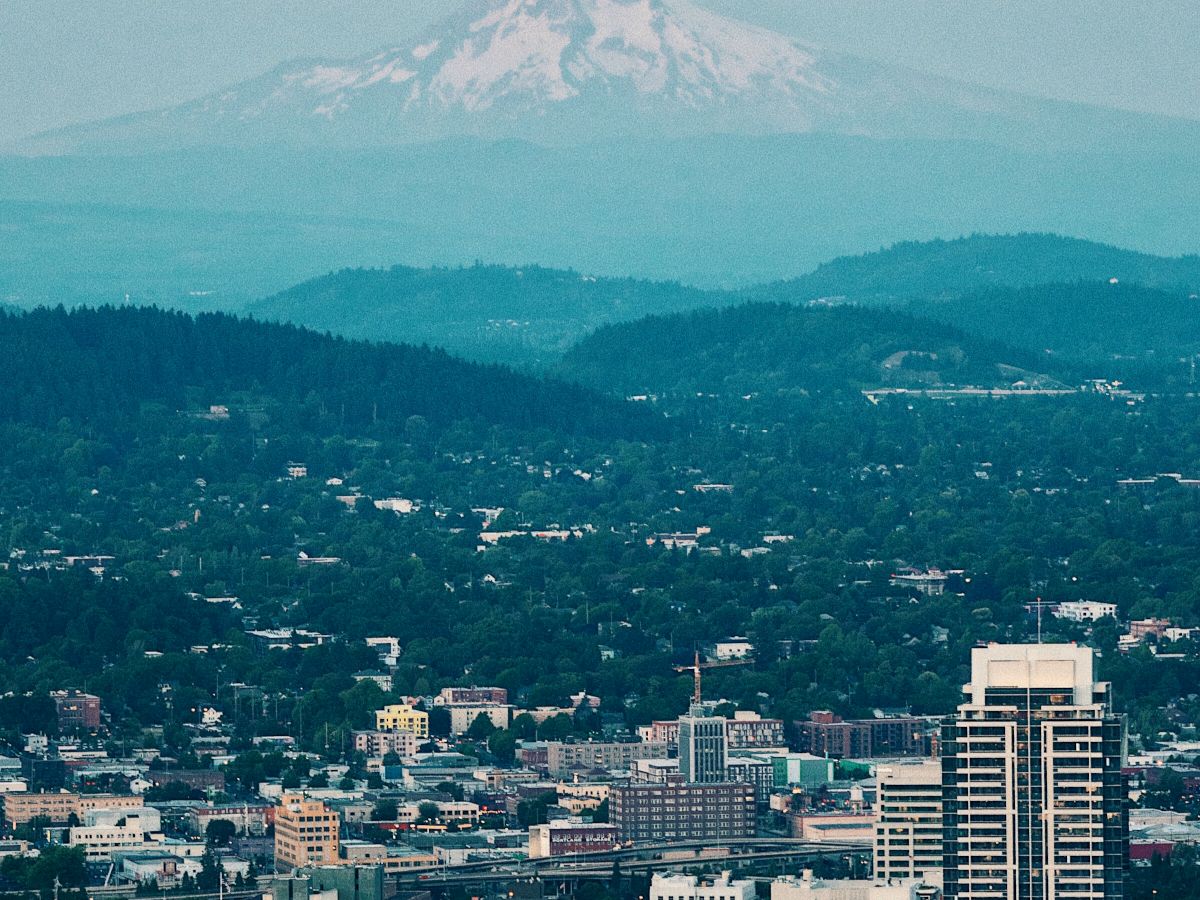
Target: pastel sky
column 65, row 61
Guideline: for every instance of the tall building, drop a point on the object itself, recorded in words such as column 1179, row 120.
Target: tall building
column 1033, row 807
column 702, row 747
column 402, row 717
column 306, row 833
column 908, row 821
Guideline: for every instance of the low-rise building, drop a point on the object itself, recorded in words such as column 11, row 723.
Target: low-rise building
column 672, row 886
column 809, row 888
column 76, row 711
column 564, row 757
column 403, row 717
column 463, row 715
column 826, row 734
column 1085, row 610
column 452, row 695
column 571, row 836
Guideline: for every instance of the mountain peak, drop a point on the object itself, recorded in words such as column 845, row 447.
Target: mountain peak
column 574, row 71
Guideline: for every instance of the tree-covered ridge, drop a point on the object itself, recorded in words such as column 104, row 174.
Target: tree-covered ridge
column 528, row 314
column 780, row 347
column 1082, row 320
column 99, row 367
column 948, row 268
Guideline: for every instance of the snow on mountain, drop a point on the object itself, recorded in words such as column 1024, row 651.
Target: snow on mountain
column 567, row 71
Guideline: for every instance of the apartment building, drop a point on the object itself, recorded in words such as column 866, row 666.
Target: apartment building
column 908, row 821
column 306, row 833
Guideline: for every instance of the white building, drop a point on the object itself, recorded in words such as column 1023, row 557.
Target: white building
column 100, row 842
column 733, row 648
column 1085, row 610
column 670, row 886
column 463, row 715
column 908, row 821
column 807, row 887
column 1031, row 768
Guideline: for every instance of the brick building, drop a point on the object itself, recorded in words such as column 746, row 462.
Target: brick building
column 76, row 711
column 827, row 735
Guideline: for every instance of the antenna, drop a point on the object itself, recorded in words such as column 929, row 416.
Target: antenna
column 1039, row 606
column 696, row 675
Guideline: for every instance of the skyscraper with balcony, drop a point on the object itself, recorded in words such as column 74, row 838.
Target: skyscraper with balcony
column 1033, row 806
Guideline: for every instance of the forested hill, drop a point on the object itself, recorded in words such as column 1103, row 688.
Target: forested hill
column 780, row 347
column 100, row 367
column 933, row 269
column 492, row 313
column 1083, row 320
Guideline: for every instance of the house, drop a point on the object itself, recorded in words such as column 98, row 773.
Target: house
column 1085, row 610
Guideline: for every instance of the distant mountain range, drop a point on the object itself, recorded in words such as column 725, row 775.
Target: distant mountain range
column 576, row 71
column 1037, row 292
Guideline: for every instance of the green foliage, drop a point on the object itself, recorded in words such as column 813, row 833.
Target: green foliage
column 384, row 811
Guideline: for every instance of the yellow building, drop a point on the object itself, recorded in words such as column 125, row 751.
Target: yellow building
column 306, row 833
column 402, row 717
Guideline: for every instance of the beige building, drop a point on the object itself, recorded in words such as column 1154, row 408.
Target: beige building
column 908, row 821
column 402, row 717
column 381, row 743
column 20, row 808
column 306, row 833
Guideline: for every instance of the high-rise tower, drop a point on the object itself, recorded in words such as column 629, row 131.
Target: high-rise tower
column 1033, row 805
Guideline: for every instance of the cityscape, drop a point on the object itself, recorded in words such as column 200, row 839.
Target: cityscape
column 599, row 450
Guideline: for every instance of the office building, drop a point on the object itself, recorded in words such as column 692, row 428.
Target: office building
column 656, row 812
column 306, row 833
column 908, row 821
column 1032, row 799
column 702, row 747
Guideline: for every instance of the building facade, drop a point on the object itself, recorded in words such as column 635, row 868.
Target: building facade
column 76, row 711
column 380, row 743
column 1033, row 803
column 703, row 746
column 306, row 833
column 826, row 734
column 671, row 886
column 565, row 837
column 402, row 717
column 908, row 821
column 562, row 756
column 656, row 812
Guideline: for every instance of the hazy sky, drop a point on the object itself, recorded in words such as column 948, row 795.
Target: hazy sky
column 64, row 61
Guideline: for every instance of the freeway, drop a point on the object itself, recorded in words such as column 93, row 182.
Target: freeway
column 630, row 859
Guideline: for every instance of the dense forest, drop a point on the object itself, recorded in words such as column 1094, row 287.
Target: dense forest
column 1081, row 321
column 938, row 269
column 782, row 348
column 98, row 367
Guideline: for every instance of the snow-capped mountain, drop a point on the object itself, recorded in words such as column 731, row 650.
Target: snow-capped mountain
column 569, row 71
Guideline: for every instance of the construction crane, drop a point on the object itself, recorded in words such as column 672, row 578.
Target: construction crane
column 696, row 667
